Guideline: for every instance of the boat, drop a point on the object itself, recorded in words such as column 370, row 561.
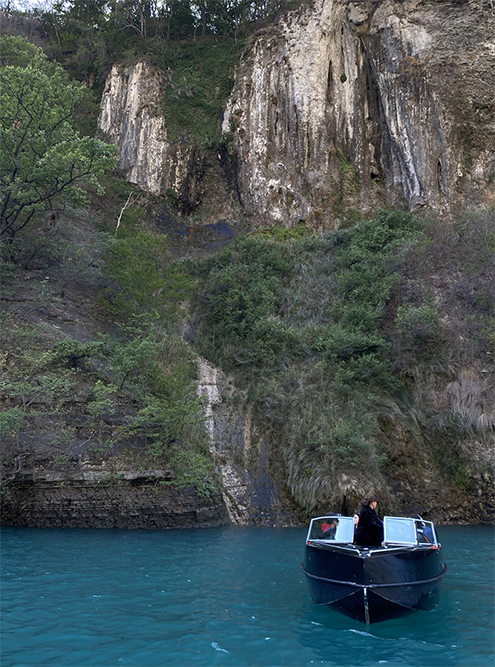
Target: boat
column 371, row 584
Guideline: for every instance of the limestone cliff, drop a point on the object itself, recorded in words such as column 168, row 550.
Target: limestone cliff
column 339, row 107
column 130, row 117
column 84, row 493
column 356, row 104
column 241, row 454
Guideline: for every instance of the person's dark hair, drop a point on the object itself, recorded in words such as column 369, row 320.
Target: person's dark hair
column 367, row 500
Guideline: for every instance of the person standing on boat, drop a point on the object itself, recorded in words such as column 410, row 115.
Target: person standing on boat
column 369, row 530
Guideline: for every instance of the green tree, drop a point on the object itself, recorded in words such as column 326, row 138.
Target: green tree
column 144, row 284
column 89, row 12
column 43, row 159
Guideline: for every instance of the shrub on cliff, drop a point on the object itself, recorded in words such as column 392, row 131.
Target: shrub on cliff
column 300, row 323
column 143, row 283
column 136, row 389
column 362, row 349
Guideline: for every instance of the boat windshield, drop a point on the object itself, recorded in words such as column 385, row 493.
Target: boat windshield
column 410, row 532
column 333, row 527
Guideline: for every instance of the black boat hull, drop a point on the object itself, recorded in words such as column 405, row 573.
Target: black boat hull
column 373, row 585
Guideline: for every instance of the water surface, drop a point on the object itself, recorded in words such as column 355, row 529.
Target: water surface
column 230, row 597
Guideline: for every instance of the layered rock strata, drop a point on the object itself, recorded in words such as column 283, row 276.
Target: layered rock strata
column 95, row 496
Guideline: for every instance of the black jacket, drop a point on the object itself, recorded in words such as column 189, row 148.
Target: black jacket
column 369, row 531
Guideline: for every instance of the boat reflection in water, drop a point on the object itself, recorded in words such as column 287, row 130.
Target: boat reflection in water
column 372, row 584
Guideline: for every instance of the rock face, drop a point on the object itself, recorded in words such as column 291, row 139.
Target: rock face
column 88, row 491
column 340, row 107
column 130, row 117
column 251, row 494
column 89, row 495
column 356, row 104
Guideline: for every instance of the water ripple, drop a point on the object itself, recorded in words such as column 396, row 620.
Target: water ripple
column 231, row 597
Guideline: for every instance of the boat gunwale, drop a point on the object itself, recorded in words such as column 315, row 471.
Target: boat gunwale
column 371, row 585
column 366, row 552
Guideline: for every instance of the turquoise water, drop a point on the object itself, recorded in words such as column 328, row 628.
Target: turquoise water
column 220, row 597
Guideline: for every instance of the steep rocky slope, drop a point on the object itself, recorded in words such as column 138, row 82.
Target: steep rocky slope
column 61, row 467
column 355, row 103
column 338, row 108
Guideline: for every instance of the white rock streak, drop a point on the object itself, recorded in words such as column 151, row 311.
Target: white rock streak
column 232, row 484
column 131, row 117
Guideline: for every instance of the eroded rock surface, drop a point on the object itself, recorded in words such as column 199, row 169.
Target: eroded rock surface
column 82, row 493
column 131, row 118
column 250, row 490
column 339, row 108
column 359, row 104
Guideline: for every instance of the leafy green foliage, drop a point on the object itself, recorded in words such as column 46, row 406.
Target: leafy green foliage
column 141, row 21
column 144, row 283
column 43, row 161
column 158, row 373
column 102, row 404
column 194, row 468
column 7, row 269
column 11, row 422
column 198, row 80
column 134, row 265
column 349, row 182
column 28, row 378
column 301, row 323
column 242, row 295
column 255, row 293
column 419, row 323
column 143, row 367
column 72, row 353
column 285, row 233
